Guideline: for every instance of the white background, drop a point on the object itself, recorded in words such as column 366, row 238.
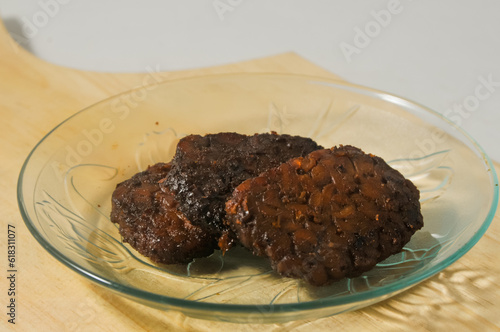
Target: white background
column 438, row 53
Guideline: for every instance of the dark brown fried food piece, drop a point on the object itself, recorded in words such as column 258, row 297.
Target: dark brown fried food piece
column 151, row 223
column 206, row 169
column 332, row 214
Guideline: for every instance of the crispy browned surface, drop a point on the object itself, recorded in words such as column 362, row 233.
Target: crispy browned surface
column 333, row 214
column 206, row 169
column 151, row 223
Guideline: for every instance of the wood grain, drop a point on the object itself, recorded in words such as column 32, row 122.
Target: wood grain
column 35, row 96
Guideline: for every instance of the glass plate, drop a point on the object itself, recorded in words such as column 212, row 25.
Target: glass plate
column 66, row 183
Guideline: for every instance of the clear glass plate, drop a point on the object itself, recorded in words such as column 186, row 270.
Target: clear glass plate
column 66, row 183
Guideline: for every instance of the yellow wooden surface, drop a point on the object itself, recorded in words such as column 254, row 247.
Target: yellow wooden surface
column 35, row 96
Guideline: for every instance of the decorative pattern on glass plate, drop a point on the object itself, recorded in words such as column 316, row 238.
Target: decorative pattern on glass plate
column 238, row 274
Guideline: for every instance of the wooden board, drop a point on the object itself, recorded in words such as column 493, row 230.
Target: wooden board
column 35, row 96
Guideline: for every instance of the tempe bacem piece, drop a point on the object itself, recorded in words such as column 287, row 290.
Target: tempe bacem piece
column 150, row 221
column 332, row 214
column 206, row 169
